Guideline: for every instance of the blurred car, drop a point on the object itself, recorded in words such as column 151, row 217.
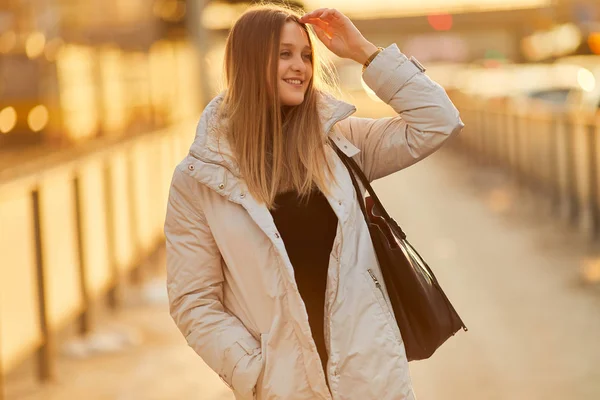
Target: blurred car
column 586, row 97
column 561, row 85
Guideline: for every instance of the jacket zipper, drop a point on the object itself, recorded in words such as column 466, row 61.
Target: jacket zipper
column 337, row 257
column 378, row 285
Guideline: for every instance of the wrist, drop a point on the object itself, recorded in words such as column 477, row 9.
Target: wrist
column 364, row 52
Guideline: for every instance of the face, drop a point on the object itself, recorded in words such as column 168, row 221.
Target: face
column 295, row 68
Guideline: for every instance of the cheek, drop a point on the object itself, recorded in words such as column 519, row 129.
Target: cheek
column 281, row 69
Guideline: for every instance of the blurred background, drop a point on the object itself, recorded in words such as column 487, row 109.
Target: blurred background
column 99, row 100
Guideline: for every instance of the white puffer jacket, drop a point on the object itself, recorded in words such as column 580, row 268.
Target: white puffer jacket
column 231, row 284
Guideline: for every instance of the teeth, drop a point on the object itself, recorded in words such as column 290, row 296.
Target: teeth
column 293, row 81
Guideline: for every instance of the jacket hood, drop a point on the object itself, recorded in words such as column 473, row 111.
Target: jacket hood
column 211, row 145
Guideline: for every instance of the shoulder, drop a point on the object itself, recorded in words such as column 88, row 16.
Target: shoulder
column 183, row 180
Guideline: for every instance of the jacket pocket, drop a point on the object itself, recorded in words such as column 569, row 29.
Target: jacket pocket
column 242, row 365
column 386, row 308
column 264, row 342
column 380, row 296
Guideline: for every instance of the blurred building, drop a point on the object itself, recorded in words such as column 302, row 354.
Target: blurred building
column 71, row 70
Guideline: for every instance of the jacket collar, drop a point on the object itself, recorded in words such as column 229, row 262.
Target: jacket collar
column 210, row 144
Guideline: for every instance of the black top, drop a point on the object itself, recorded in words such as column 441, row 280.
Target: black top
column 308, row 231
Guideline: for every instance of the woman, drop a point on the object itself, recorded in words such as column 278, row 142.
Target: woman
column 270, row 265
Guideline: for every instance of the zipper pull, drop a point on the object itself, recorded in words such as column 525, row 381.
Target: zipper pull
column 374, row 278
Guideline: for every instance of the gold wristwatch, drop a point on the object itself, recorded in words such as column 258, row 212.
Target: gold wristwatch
column 371, row 58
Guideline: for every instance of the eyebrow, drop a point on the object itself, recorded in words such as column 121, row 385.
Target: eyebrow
column 293, row 45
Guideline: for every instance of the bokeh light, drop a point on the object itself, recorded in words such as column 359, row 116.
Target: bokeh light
column 440, row 22
column 170, row 10
column 8, row 119
column 38, row 118
column 594, row 42
column 35, row 44
column 586, row 79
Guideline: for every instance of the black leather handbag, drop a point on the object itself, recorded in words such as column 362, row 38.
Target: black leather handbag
column 424, row 314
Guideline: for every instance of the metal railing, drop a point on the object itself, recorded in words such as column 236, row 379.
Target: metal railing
column 549, row 151
column 70, row 234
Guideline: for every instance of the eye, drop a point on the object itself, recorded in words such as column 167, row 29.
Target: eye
column 308, row 56
column 285, row 54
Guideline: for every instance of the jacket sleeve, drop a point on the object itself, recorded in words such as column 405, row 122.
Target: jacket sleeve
column 195, row 288
column 426, row 117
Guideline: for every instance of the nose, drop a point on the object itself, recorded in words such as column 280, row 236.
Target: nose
column 299, row 65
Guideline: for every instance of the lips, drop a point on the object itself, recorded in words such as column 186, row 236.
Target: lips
column 294, row 82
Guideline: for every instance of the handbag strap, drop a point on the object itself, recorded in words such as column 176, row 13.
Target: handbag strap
column 359, row 194
column 354, row 171
column 353, row 168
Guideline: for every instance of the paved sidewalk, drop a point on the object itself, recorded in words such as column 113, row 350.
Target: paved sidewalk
column 136, row 354
column 513, row 273
column 514, row 277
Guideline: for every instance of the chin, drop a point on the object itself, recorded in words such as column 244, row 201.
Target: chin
column 292, row 101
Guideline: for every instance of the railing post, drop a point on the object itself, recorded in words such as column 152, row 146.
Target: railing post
column 481, row 136
column 554, row 163
column 592, row 149
column 573, row 186
column 85, row 319
column 511, row 129
column 518, row 149
column 47, row 353
column 114, row 295
column 136, row 274
column 527, row 153
column 499, row 133
column 581, row 164
column 584, row 147
column 546, row 160
column 502, row 125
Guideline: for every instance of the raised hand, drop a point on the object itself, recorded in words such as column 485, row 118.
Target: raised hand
column 339, row 34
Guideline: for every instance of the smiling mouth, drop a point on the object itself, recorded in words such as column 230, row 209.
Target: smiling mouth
column 294, row 82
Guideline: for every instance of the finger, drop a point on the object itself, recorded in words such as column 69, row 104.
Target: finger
column 318, row 11
column 313, row 14
column 328, row 16
column 324, row 31
column 321, row 24
column 322, row 35
column 331, row 14
column 326, row 13
column 315, row 21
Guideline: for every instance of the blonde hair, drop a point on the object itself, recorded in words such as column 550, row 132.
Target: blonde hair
column 276, row 149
